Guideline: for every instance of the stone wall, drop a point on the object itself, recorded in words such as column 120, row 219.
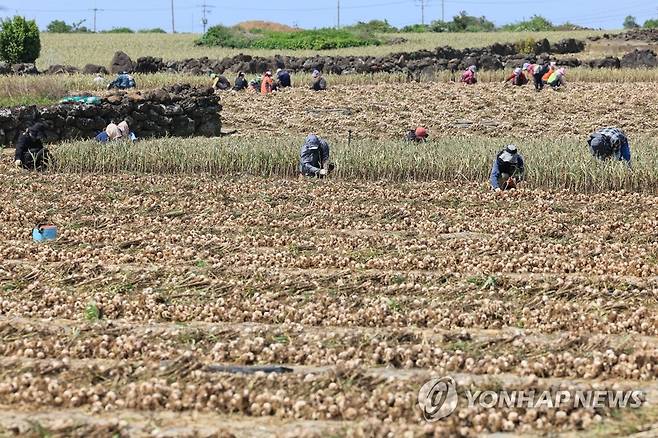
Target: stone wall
column 178, row 110
column 494, row 57
column 415, row 64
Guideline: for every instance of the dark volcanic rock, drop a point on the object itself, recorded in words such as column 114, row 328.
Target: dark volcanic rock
column 639, row 59
column 568, row 45
column 121, row 62
column 609, row 62
column 92, row 69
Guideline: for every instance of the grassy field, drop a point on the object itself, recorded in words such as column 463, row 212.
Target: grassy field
column 80, row 49
column 556, row 164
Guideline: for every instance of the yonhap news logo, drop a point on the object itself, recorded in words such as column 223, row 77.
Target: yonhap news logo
column 438, row 398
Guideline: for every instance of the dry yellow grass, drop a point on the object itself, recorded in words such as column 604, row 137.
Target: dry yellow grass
column 80, row 49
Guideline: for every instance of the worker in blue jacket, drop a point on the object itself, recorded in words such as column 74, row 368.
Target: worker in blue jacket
column 123, row 81
column 283, row 78
column 314, row 157
column 610, row 143
column 507, row 170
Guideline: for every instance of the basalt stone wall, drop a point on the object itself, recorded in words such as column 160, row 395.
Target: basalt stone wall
column 178, row 110
column 494, row 57
column 644, row 35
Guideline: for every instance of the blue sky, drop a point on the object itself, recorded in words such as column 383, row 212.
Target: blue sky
column 607, row 14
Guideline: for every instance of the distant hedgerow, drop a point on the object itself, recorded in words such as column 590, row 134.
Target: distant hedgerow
column 321, row 39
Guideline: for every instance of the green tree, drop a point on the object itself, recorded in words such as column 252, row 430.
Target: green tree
column 58, row 26
column 154, row 30
column 19, row 40
column 373, row 26
column 416, row 28
column 630, row 22
column 468, row 23
column 120, row 30
column 651, row 24
column 536, row 23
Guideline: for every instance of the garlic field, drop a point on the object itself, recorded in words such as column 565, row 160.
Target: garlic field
column 129, row 323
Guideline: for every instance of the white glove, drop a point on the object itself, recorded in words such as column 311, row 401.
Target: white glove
column 18, row 163
column 498, row 190
column 323, row 172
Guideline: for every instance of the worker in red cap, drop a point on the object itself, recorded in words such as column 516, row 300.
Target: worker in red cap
column 418, row 135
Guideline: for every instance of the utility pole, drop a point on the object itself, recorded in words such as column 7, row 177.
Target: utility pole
column 337, row 14
column 206, row 8
column 443, row 10
column 173, row 27
column 422, row 4
column 96, row 10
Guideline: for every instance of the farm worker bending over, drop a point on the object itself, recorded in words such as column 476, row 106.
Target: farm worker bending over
column 317, row 82
column 314, row 157
column 240, row 82
column 267, row 83
column 507, row 170
column 116, row 132
column 610, row 143
column 283, row 78
column 517, row 78
column 469, row 76
column 418, row 136
column 254, row 85
column 220, row 82
column 537, row 71
column 30, row 153
column 556, row 80
column 122, row 82
column 549, row 72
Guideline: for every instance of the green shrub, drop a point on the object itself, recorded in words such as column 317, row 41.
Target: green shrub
column 567, row 26
column 536, row 23
column 120, row 30
column 526, row 45
column 321, row 39
column 651, row 24
column 373, row 26
column 154, row 30
column 468, row 23
column 223, row 36
column 19, row 40
column 59, row 26
column 630, row 22
column 416, row 28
